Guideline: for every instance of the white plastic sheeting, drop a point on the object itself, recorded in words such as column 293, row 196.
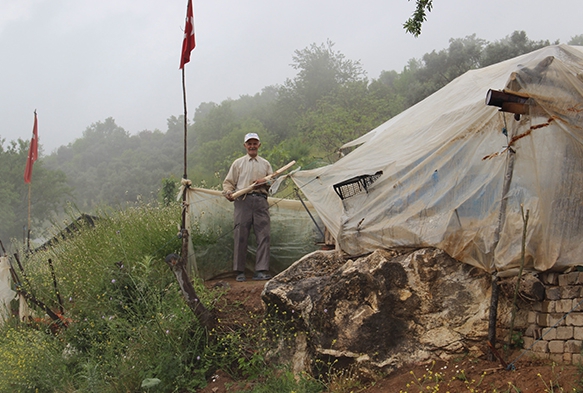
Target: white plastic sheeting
column 293, row 232
column 6, row 292
column 444, row 162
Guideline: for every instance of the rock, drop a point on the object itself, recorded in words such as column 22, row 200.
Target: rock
column 378, row 311
column 530, row 290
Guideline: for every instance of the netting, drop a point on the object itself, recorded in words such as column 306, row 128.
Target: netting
column 293, row 232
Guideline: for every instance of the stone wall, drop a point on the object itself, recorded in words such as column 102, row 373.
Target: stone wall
column 555, row 325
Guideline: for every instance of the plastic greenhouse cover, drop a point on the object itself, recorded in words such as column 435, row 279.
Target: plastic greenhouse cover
column 6, row 292
column 444, row 163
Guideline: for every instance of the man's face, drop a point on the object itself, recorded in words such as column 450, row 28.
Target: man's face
column 252, row 145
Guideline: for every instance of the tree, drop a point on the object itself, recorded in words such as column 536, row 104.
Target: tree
column 108, row 166
column 511, row 46
column 345, row 114
column 320, row 72
column 168, row 192
column 49, row 192
column 577, row 40
column 440, row 68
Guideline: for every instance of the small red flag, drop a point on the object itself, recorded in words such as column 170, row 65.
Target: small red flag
column 32, row 152
column 188, row 44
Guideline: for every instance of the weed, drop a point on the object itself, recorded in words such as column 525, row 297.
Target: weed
column 552, row 386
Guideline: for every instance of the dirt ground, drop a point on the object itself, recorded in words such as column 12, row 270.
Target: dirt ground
column 242, row 301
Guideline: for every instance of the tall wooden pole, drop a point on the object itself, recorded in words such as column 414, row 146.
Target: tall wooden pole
column 501, row 220
column 183, row 230
column 185, row 121
column 184, row 175
column 28, row 224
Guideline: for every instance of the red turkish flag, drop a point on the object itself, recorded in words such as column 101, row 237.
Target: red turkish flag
column 32, row 152
column 188, row 44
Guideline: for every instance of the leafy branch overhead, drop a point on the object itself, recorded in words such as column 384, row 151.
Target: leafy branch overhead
column 413, row 24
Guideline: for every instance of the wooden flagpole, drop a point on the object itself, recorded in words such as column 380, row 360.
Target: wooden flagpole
column 188, row 45
column 28, row 223
column 185, row 174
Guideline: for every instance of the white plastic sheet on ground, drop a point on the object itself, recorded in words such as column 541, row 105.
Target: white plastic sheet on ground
column 293, row 232
column 444, row 165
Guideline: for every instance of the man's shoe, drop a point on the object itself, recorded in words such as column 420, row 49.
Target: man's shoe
column 262, row 276
column 240, row 277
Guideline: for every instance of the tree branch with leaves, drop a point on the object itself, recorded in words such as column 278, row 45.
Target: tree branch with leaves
column 414, row 23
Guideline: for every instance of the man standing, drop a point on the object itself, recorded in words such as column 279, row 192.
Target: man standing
column 251, row 209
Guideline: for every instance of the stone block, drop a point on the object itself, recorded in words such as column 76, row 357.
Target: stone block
column 567, row 357
column 576, row 358
column 556, row 357
column 573, row 346
column 549, row 333
column 568, row 279
column 549, row 305
column 521, row 319
column 556, row 346
column 578, row 333
column 550, row 319
column 563, row 305
column 553, row 293
column 570, row 292
column 527, row 342
column 574, row 319
column 578, row 304
column 530, row 330
column 542, row 319
column 564, row 332
column 540, row 346
column 550, row 278
column 531, row 318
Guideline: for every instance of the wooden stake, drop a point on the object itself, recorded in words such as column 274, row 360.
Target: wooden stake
column 501, row 220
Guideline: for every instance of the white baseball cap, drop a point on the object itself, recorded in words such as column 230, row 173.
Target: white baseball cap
column 251, row 135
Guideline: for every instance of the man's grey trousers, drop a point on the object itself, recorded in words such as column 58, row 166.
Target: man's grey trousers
column 251, row 210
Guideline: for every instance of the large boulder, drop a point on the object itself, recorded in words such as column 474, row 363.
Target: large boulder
column 378, row 311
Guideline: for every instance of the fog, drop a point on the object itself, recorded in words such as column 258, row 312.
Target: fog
column 78, row 62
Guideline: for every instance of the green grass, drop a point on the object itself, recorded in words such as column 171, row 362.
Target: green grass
column 128, row 327
column 130, row 330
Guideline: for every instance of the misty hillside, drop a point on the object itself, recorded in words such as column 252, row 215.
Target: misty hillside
column 329, row 102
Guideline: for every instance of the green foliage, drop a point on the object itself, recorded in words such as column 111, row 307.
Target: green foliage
column 168, row 192
column 128, row 322
column 576, row 40
column 511, row 46
column 347, row 113
column 110, row 167
column 320, row 72
column 413, row 25
column 48, row 190
column 25, row 351
column 128, row 327
column 284, row 381
column 329, row 102
column 442, row 67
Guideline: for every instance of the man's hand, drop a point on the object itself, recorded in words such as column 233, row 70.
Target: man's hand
column 229, row 195
column 258, row 183
column 264, row 181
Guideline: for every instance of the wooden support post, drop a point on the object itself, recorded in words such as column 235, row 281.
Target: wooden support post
column 501, row 220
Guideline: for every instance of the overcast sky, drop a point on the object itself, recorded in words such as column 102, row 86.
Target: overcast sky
column 78, row 62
